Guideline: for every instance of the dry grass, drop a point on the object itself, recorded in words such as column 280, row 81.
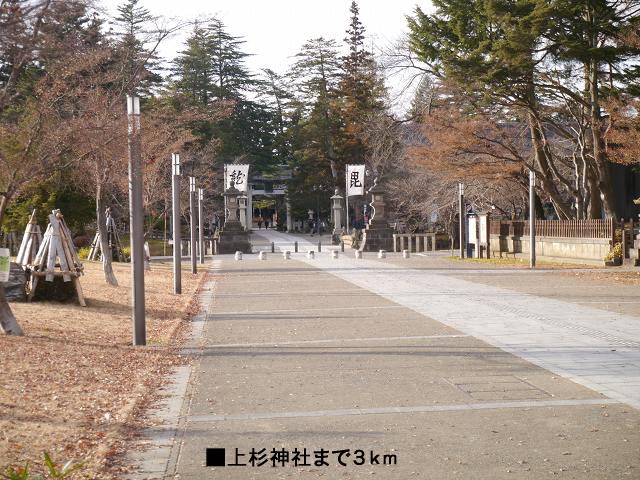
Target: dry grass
column 522, row 263
column 614, row 276
column 74, row 386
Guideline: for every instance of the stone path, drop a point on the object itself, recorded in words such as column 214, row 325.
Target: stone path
column 596, row 348
column 449, row 377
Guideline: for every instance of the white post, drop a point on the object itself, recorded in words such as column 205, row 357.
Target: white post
column 346, row 202
column 462, row 219
column 249, row 206
column 200, row 225
column 194, row 218
column 532, row 219
column 136, row 219
column 177, row 233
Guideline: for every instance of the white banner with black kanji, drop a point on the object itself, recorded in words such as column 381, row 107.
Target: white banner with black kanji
column 355, row 180
column 238, row 174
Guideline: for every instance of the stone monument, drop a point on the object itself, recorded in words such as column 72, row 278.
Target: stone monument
column 233, row 237
column 378, row 235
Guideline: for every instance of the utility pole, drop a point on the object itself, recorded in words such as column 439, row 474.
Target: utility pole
column 462, row 217
column 200, row 229
column 136, row 219
column 532, row 219
column 177, row 232
column 194, row 214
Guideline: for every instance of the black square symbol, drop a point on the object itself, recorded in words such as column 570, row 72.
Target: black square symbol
column 215, row 457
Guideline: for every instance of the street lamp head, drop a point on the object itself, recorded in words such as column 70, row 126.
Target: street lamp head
column 175, row 162
column 192, row 184
column 200, row 194
column 133, row 105
column 461, row 188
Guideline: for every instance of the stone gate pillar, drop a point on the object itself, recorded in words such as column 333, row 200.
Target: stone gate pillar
column 242, row 205
column 289, row 219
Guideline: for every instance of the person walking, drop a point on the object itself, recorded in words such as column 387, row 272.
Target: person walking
column 266, row 223
column 259, row 223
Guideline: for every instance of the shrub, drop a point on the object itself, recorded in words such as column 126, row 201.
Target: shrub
column 83, row 252
column 615, row 252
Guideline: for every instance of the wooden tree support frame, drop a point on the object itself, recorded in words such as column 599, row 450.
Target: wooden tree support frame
column 30, row 243
column 113, row 239
column 56, row 252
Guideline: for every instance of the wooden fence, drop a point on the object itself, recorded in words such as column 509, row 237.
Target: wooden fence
column 556, row 228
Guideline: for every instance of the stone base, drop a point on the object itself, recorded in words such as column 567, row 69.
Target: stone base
column 377, row 237
column 233, row 238
column 336, row 236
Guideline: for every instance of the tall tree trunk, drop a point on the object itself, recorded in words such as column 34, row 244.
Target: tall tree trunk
column 8, row 323
column 105, row 249
column 546, row 178
column 599, row 153
column 4, row 201
column 595, row 204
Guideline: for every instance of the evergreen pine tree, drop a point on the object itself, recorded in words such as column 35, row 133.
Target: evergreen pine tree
column 139, row 66
column 232, row 79
column 212, row 69
column 361, row 89
column 316, row 73
column 194, row 68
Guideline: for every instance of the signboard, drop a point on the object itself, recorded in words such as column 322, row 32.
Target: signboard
column 472, row 230
column 5, row 264
column 355, row 180
column 483, row 229
column 239, row 174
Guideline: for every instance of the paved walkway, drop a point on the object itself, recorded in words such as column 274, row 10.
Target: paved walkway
column 442, row 368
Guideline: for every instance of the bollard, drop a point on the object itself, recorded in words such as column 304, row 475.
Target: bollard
column 382, row 254
column 405, row 254
column 295, row 247
column 262, row 255
column 334, row 254
column 341, row 246
column 311, row 254
column 319, row 246
column 273, row 248
column 286, row 255
column 238, row 256
column 358, row 254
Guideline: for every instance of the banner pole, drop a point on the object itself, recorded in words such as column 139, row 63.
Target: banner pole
column 346, row 197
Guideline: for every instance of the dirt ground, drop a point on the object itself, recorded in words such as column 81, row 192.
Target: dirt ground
column 74, row 386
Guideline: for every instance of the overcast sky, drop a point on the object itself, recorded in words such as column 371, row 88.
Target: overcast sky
column 275, row 29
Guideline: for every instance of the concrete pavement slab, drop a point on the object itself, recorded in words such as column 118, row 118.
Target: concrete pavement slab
column 296, row 354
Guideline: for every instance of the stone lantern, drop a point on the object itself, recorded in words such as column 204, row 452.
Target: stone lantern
column 378, row 235
column 232, row 194
column 233, row 237
column 336, row 205
column 377, row 204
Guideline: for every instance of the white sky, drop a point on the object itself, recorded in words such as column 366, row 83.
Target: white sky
column 274, row 30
